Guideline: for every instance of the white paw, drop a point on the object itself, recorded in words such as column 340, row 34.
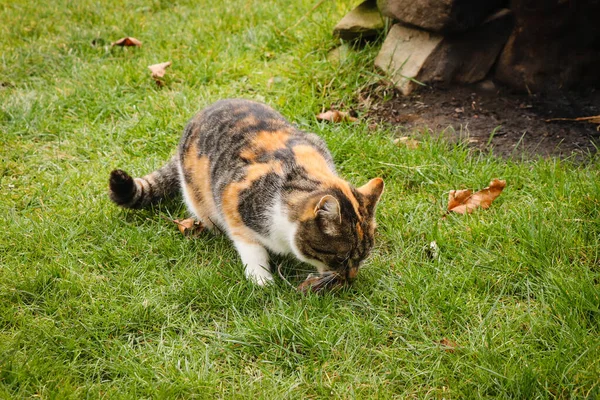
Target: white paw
column 259, row 275
column 254, row 256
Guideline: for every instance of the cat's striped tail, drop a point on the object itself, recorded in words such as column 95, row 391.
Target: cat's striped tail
column 130, row 192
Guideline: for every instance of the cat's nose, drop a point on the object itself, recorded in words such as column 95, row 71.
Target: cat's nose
column 351, row 272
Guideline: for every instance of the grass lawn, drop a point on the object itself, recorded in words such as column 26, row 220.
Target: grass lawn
column 97, row 302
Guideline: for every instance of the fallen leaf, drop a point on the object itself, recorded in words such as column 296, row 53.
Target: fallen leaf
column 449, row 345
column 159, row 70
column 593, row 119
column 188, row 227
column 127, row 41
column 317, row 283
column 410, row 143
column 465, row 201
column 336, row 116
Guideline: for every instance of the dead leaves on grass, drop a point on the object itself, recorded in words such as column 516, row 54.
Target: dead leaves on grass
column 127, row 42
column 158, row 71
column 188, row 227
column 448, row 345
column 336, row 116
column 465, row 201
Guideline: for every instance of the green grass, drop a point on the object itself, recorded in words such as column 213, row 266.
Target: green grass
column 96, row 302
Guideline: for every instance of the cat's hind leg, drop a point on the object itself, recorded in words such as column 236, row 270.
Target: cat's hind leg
column 196, row 188
column 256, row 261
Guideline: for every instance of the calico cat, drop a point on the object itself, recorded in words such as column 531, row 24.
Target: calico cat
column 246, row 170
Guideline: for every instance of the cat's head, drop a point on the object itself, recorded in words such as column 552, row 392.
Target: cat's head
column 337, row 228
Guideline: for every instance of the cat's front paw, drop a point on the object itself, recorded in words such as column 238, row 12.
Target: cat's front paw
column 259, row 275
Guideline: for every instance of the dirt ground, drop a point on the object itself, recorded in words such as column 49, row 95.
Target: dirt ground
column 517, row 121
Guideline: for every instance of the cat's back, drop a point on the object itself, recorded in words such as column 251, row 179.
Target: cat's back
column 235, row 133
column 238, row 157
column 232, row 124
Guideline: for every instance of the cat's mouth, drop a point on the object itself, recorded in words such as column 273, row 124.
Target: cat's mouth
column 347, row 270
column 345, row 273
column 329, row 280
column 351, row 273
column 317, row 283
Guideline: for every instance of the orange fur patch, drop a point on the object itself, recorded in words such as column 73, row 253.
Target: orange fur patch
column 373, row 188
column 316, row 166
column 265, row 142
column 199, row 189
column 360, row 232
column 246, row 121
column 297, row 200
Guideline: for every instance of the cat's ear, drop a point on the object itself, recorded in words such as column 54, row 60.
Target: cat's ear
column 328, row 207
column 328, row 214
column 372, row 191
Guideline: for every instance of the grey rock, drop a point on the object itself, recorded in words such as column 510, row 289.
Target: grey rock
column 363, row 22
column 403, row 54
column 467, row 57
column 411, row 55
column 439, row 15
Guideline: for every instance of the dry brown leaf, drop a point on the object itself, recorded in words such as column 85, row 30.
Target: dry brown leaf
column 465, row 201
column 159, row 70
column 336, row 116
column 410, row 143
column 317, row 283
column 593, row 119
column 189, row 227
column 127, row 41
column 448, row 345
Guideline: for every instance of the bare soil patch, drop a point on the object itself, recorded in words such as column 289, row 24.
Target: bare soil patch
column 490, row 116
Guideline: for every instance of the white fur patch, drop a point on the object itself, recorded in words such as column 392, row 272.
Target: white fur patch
column 282, row 236
column 256, row 260
column 282, row 231
column 186, row 196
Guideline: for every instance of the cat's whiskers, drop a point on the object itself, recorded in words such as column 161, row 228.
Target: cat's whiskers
column 283, row 277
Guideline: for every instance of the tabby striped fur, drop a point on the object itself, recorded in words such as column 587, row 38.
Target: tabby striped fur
column 269, row 186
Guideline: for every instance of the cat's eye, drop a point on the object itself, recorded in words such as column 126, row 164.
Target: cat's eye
column 324, row 251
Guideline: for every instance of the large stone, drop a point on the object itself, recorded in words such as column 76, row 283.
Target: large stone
column 411, row 55
column 403, row 54
column 555, row 45
column 467, row 57
column 440, row 15
column 363, row 22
